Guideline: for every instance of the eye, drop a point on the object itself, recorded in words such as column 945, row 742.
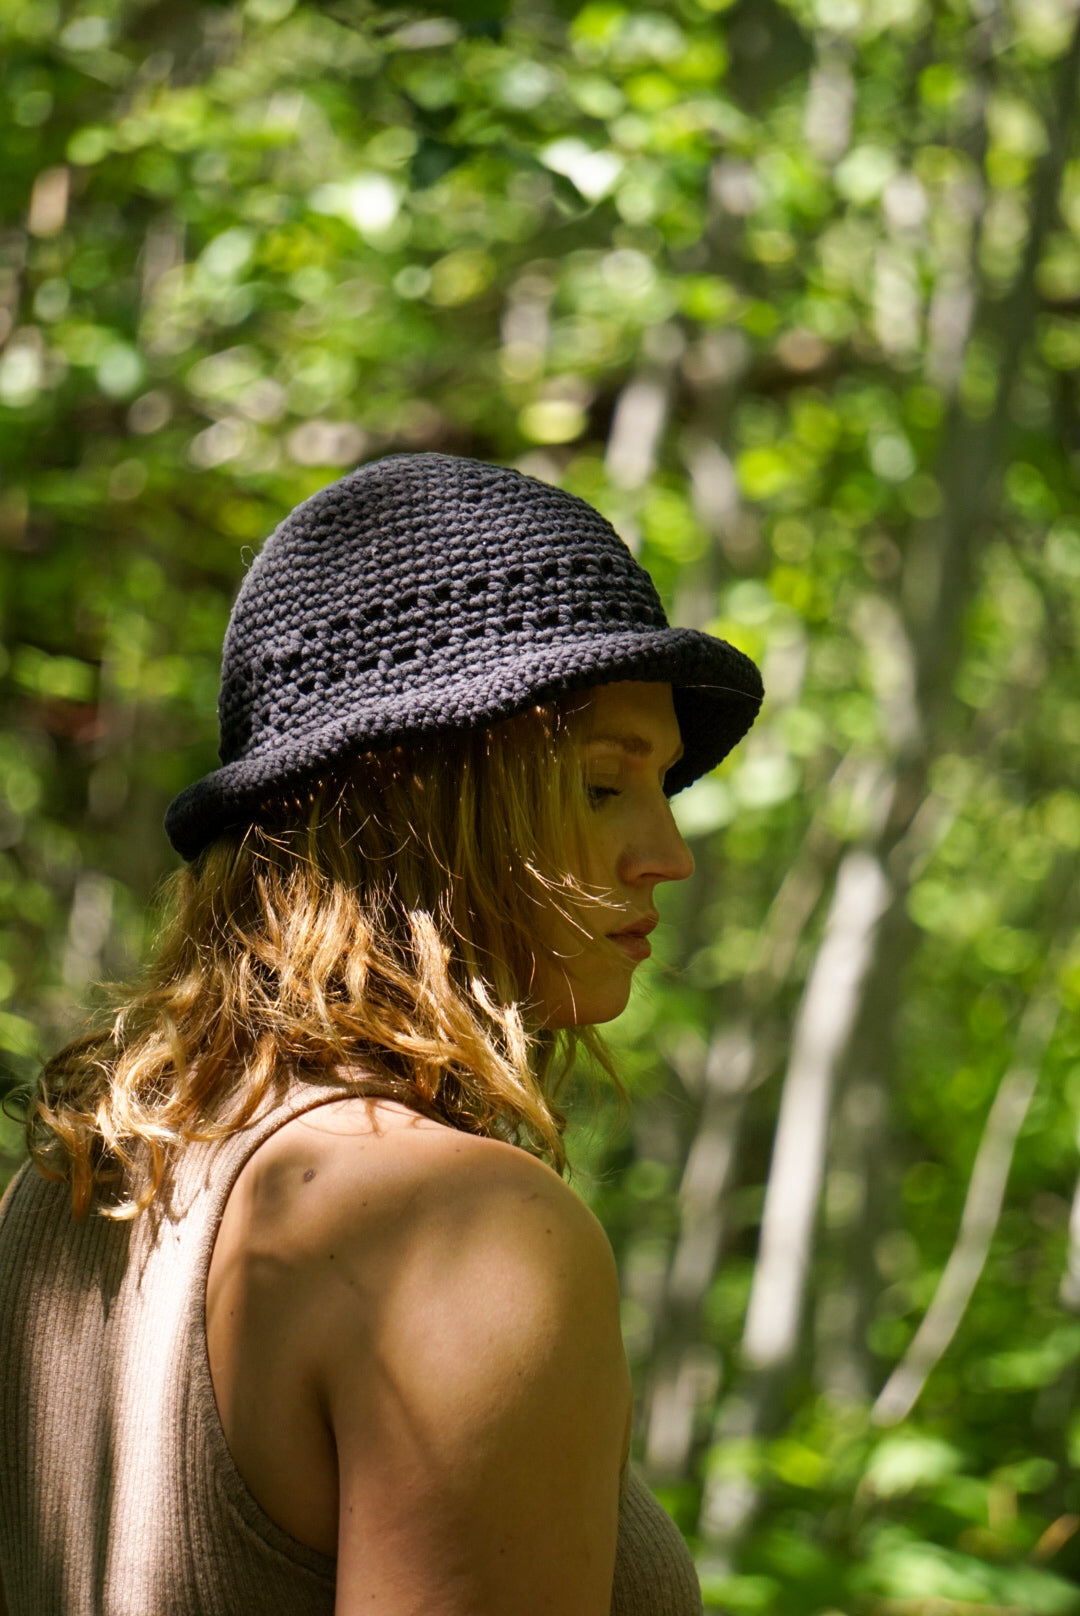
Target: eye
column 599, row 794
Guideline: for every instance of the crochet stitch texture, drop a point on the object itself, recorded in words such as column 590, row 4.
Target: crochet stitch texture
column 426, row 593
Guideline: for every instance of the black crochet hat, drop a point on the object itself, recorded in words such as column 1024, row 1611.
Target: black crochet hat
column 426, row 593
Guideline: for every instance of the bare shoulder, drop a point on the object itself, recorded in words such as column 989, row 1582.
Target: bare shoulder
column 360, row 1219
column 377, row 1275
column 462, row 1305
column 357, row 1172
column 435, row 1318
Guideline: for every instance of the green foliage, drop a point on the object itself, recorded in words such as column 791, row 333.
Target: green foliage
column 249, row 244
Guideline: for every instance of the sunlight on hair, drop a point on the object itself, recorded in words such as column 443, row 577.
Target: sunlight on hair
column 376, row 927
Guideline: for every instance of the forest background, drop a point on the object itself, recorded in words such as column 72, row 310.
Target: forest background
column 791, row 290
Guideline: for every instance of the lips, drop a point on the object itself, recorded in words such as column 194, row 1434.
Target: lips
column 634, row 939
column 638, row 928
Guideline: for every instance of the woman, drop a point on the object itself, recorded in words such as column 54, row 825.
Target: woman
column 295, row 1315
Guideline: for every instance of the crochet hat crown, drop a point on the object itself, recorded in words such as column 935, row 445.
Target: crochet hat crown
column 426, row 593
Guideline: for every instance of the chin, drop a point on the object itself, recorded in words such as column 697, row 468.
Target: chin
column 588, row 1009
column 582, row 990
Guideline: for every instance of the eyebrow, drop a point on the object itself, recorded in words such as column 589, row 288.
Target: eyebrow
column 635, row 745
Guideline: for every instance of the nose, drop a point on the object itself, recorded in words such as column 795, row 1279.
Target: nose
column 659, row 853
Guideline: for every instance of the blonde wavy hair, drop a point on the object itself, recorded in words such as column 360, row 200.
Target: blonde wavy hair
column 377, row 929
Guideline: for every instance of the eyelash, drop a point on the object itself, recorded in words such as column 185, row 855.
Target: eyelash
column 599, row 794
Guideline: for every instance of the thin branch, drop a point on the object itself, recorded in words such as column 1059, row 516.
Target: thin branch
column 821, row 1033
column 982, row 1209
column 1070, row 1280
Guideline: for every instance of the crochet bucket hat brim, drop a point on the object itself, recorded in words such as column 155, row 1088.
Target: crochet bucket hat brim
column 426, row 594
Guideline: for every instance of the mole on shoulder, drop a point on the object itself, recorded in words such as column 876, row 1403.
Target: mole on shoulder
column 309, row 1175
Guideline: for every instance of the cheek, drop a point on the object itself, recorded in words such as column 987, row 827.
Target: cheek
column 600, row 850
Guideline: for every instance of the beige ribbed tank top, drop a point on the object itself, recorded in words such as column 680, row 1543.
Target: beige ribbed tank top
column 118, row 1493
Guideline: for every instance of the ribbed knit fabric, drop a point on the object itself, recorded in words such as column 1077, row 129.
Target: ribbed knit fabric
column 118, row 1493
column 654, row 1574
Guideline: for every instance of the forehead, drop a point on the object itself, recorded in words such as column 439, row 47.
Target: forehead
column 631, row 707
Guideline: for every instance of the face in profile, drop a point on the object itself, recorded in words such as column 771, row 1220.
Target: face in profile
column 628, row 738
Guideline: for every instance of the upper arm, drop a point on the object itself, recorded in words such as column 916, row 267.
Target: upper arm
column 480, row 1408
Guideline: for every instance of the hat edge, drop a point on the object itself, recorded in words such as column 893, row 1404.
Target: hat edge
column 676, row 656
